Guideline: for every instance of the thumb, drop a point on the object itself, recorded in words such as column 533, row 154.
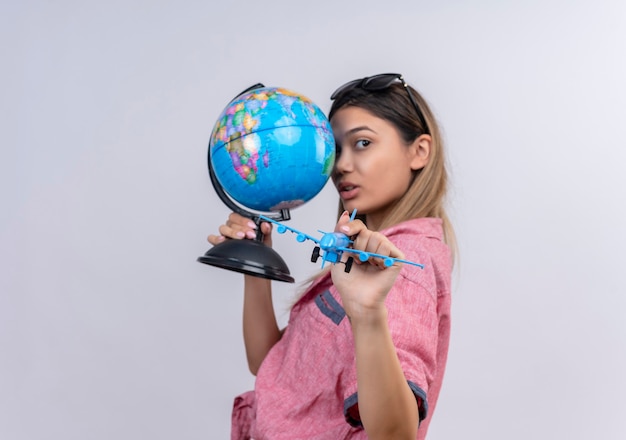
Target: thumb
column 344, row 219
column 266, row 228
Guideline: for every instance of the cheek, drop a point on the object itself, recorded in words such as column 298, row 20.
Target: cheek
column 400, row 178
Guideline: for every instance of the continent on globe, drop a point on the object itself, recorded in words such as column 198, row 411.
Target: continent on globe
column 272, row 149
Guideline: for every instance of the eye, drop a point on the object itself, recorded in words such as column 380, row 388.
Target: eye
column 362, row 143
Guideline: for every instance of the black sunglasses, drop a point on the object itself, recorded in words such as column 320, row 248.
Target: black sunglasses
column 381, row 82
column 249, row 89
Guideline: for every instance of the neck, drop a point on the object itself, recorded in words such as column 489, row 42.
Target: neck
column 373, row 222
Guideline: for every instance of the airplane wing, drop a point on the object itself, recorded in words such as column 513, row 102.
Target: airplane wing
column 388, row 261
column 281, row 229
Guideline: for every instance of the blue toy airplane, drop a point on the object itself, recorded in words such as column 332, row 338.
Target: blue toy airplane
column 332, row 245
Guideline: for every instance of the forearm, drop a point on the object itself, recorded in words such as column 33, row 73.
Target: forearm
column 387, row 406
column 260, row 329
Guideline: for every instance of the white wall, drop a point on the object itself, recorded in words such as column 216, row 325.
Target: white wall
column 109, row 328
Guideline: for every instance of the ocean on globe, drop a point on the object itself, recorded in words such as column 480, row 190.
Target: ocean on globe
column 272, row 149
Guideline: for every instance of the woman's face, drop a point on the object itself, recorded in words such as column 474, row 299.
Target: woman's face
column 374, row 166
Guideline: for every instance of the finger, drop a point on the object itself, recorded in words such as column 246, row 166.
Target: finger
column 215, row 239
column 244, row 224
column 384, row 248
column 351, row 228
column 240, row 222
column 266, row 228
column 238, row 226
column 233, row 231
column 377, row 243
column 343, row 221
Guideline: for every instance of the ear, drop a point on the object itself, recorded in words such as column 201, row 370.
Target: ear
column 420, row 152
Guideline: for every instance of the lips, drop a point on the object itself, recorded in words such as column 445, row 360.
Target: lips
column 347, row 190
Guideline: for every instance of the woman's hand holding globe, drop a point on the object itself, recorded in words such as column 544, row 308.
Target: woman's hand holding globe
column 239, row 227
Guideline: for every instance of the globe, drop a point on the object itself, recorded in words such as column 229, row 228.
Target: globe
column 272, row 149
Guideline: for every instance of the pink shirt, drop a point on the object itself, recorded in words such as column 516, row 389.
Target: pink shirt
column 306, row 387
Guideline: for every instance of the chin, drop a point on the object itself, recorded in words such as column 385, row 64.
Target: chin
column 348, row 206
column 352, row 206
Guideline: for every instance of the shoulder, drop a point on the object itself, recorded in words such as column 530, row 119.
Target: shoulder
column 414, row 229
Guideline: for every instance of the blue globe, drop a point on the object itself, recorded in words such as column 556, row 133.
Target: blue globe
column 272, row 149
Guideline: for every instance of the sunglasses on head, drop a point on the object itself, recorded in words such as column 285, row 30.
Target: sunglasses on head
column 381, row 82
column 249, row 89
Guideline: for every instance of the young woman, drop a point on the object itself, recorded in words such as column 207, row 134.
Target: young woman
column 364, row 352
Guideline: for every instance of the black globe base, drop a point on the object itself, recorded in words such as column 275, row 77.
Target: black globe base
column 250, row 257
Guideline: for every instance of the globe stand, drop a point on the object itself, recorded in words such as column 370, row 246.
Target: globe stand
column 251, row 257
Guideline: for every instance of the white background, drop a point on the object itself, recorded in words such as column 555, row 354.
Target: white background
column 109, row 328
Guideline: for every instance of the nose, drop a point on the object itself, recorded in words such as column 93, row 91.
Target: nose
column 343, row 161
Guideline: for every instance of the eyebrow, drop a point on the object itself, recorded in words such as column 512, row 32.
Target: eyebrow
column 360, row 128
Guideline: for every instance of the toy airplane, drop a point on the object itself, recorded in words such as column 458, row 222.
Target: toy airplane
column 332, row 245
